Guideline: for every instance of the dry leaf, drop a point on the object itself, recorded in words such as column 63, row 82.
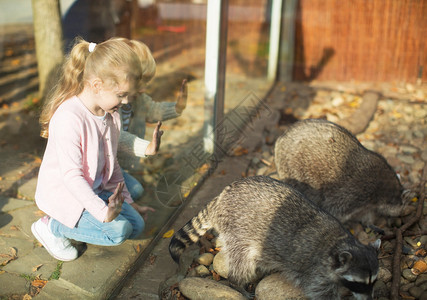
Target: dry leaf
column 14, row 252
column 27, row 297
column 38, row 283
column 152, row 259
column 168, row 234
column 36, row 268
column 14, row 227
column 216, row 276
column 239, row 151
column 419, row 267
column 6, row 261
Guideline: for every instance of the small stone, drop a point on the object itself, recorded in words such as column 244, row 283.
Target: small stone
column 406, row 159
column 380, row 289
column 276, row 286
column 384, row 275
column 337, row 101
column 202, row 288
column 408, row 149
column 416, row 291
column 205, row 259
column 408, row 275
column 411, row 242
column 405, row 287
column 421, row 279
column 202, row 271
column 423, row 286
column 220, row 265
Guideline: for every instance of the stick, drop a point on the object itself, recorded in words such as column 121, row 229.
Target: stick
column 394, row 293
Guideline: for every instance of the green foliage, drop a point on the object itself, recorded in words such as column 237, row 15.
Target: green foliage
column 57, row 273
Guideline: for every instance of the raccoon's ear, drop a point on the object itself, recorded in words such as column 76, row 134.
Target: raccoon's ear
column 343, row 258
column 376, row 244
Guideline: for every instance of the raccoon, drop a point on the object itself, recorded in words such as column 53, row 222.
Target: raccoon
column 267, row 226
column 338, row 173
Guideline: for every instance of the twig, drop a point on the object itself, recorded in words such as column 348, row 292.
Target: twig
column 406, row 233
column 265, row 162
column 394, row 293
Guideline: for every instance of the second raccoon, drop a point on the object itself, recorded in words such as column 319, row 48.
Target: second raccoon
column 267, row 226
column 338, row 173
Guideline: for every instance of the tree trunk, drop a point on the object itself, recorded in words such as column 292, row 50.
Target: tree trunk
column 48, row 39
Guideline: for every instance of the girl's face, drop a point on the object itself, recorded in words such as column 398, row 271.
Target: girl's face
column 112, row 98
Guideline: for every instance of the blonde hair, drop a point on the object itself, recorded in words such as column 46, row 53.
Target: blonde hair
column 148, row 64
column 108, row 61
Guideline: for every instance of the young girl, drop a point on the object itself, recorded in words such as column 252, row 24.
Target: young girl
column 146, row 110
column 80, row 185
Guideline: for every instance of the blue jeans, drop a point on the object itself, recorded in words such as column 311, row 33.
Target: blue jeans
column 129, row 224
column 133, row 185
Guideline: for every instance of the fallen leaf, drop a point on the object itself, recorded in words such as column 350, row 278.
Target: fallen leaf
column 38, row 283
column 27, row 297
column 7, row 260
column 168, row 234
column 152, row 259
column 216, row 276
column 239, row 151
column 36, row 268
column 138, row 248
column 419, row 267
column 421, row 252
column 14, row 252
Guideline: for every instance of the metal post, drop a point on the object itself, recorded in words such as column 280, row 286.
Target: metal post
column 273, row 55
column 215, row 62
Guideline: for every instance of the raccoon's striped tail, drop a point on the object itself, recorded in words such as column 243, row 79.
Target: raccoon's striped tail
column 189, row 234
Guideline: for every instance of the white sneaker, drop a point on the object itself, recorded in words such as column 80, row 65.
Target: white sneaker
column 59, row 248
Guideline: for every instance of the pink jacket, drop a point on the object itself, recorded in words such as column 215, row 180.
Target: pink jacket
column 68, row 168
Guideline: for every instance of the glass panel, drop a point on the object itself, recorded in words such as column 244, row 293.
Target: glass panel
column 175, row 33
column 247, row 60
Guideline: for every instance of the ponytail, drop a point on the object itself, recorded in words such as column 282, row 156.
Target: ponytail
column 108, row 61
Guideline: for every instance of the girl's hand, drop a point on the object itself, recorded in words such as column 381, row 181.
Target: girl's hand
column 154, row 145
column 143, row 210
column 181, row 102
column 115, row 203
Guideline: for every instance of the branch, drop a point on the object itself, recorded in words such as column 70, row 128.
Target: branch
column 394, row 294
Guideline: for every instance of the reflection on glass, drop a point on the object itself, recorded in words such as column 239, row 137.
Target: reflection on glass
column 175, row 33
column 247, row 64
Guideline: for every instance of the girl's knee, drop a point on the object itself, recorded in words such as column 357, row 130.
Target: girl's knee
column 136, row 191
column 138, row 227
column 121, row 232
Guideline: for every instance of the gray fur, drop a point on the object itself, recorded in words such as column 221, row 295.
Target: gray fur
column 267, row 226
column 337, row 172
